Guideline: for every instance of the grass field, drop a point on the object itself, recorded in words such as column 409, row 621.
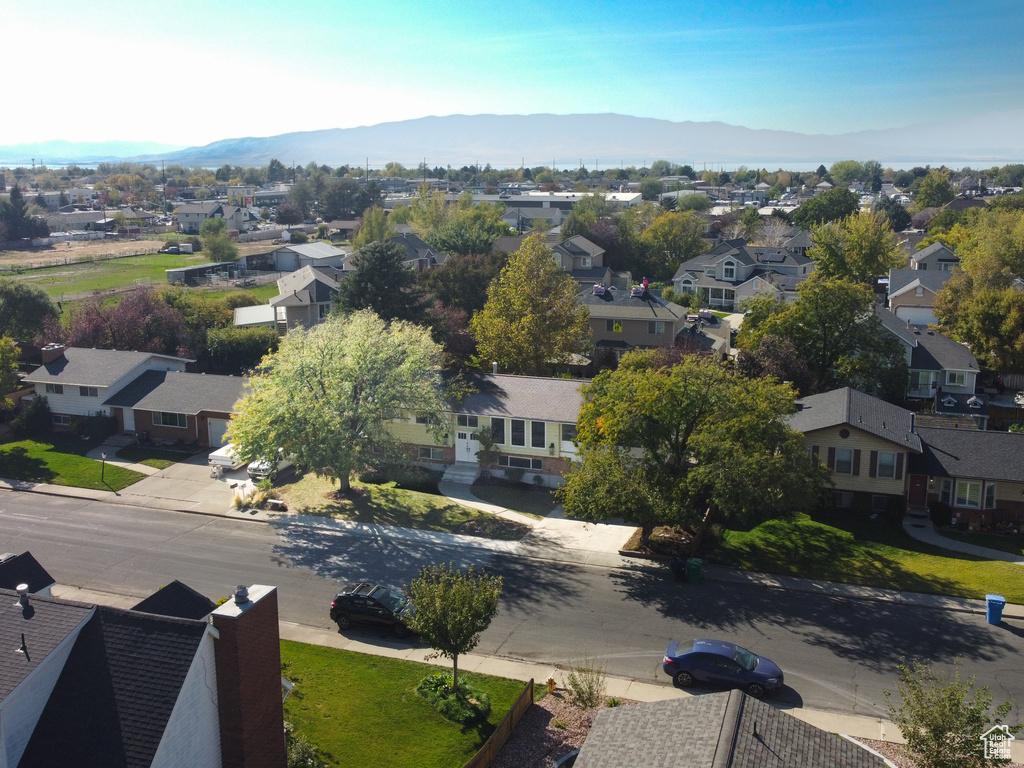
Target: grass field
column 387, row 504
column 59, row 461
column 100, row 276
column 158, row 458
column 867, row 552
column 363, row 710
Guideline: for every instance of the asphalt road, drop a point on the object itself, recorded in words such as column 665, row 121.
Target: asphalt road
column 837, row 654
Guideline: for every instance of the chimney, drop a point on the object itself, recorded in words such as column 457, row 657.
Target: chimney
column 52, row 352
column 248, row 653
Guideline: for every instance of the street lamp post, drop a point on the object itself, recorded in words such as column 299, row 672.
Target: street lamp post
column 103, row 466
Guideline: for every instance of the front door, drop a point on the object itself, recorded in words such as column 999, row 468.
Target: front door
column 129, row 419
column 466, row 445
column 917, row 496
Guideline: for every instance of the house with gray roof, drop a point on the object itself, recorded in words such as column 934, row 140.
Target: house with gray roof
column 16, row 570
column 532, row 422
column 192, row 215
column 912, row 294
column 978, row 473
column 716, row 730
column 865, row 442
column 936, row 362
column 623, row 320
column 91, row 685
column 937, row 257
column 290, row 258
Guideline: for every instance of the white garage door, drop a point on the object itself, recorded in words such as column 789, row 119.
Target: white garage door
column 916, row 315
column 217, row 429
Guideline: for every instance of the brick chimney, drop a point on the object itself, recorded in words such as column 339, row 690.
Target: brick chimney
column 52, row 352
column 249, row 680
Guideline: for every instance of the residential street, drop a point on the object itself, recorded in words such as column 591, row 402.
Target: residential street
column 838, row 654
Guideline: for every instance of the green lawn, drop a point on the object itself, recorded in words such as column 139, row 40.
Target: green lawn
column 387, row 504
column 526, row 501
column 103, row 275
column 262, row 293
column 1012, row 544
column 158, row 458
column 867, row 552
column 362, row 710
column 60, row 462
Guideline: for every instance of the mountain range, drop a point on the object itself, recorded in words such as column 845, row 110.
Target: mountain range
column 602, row 140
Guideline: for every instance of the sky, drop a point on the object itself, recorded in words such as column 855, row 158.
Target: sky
column 187, row 73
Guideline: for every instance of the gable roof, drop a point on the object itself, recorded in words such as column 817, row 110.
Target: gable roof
column 320, row 284
column 935, row 352
column 614, row 303
column 180, row 392
column 23, row 569
column 936, row 248
column 904, row 280
column 94, row 367
column 314, row 250
column 522, row 397
column 858, row 410
column 205, row 209
column 715, row 730
column 178, row 600
column 976, row 453
column 110, row 707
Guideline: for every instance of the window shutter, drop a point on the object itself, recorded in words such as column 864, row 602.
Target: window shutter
column 832, row 459
column 899, row 466
column 856, row 461
column 873, row 465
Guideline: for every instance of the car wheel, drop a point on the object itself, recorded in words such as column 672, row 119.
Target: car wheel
column 683, row 679
column 343, row 621
column 399, row 630
column 756, row 690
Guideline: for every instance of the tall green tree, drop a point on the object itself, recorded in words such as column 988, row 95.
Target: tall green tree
column 217, row 244
column 860, row 247
column 942, row 720
column 845, row 171
column 714, row 448
column 8, row 370
column 934, row 190
column 328, row 394
column 381, row 283
column 462, row 281
column 897, row 214
column 23, row 309
column 674, row 238
column 532, row 318
column 16, row 222
column 829, row 206
column 376, row 227
column 453, row 609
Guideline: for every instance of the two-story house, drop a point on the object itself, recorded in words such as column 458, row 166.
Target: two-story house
column 936, row 257
column 622, row 320
column 733, row 271
column 584, row 261
column 935, row 361
column 912, row 294
column 192, row 216
column 864, row 441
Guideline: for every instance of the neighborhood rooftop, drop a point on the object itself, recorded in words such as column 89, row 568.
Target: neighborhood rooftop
column 181, row 392
column 523, row 397
column 848, row 406
column 93, row 367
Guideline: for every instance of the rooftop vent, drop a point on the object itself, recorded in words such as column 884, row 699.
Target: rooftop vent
column 241, row 595
column 22, row 595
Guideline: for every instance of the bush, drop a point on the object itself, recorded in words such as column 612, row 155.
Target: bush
column 299, row 237
column 470, row 705
column 96, row 427
column 35, row 420
column 301, row 754
column 514, row 474
column 941, row 513
column 586, row 683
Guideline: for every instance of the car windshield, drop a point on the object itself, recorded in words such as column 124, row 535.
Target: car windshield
column 392, row 600
column 745, row 658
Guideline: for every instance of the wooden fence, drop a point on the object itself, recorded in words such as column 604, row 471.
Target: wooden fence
column 493, row 745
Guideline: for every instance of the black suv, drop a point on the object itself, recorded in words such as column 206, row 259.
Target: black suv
column 372, row 604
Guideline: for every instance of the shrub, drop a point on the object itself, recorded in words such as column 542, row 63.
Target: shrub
column 35, row 420
column 514, row 474
column 941, row 513
column 301, row 754
column 470, row 705
column 96, row 427
column 613, row 702
column 299, row 237
column 586, row 683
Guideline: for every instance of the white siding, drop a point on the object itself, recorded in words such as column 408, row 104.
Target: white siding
column 20, row 711
column 191, row 738
column 71, row 403
column 916, row 315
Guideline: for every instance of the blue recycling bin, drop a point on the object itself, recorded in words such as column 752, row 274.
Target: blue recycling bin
column 994, row 614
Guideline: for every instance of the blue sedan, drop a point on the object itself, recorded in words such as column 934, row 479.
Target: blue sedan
column 716, row 662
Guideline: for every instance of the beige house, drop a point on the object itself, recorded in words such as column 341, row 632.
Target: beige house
column 622, row 320
column 866, row 443
column 912, row 294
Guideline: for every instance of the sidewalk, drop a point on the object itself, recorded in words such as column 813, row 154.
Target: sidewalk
column 919, row 525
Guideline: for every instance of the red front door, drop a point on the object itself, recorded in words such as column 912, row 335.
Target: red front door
column 918, row 495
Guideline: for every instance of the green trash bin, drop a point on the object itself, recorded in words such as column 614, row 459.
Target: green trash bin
column 694, row 570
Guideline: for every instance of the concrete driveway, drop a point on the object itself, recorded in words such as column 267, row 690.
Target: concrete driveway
column 187, row 486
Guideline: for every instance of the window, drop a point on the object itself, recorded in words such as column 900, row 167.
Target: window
column 421, row 419
column 59, row 420
column 584, row 262
column 656, row 327
column 55, row 389
column 568, row 433
column 946, row 493
column 433, row 454
column 498, row 431
column 956, row 378
column 519, row 462
column 613, row 326
column 990, row 496
column 518, row 432
column 170, row 420
column 325, row 310
column 729, row 271
column 968, row 494
column 842, row 499
column 886, row 464
column 89, row 391
column 538, row 434
column 844, row 461
column 468, row 421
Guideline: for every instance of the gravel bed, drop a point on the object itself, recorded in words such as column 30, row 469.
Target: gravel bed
column 895, row 754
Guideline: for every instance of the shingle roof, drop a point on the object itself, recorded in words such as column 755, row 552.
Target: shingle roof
column 617, row 303
column 935, row 352
column 523, row 397
column 720, row 730
column 180, row 392
column 45, row 624
column 935, row 248
column 903, row 280
column 320, row 283
column 201, row 208
column 23, row 569
column 973, row 453
column 112, row 701
column 178, row 600
column 93, row 367
column 858, row 410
